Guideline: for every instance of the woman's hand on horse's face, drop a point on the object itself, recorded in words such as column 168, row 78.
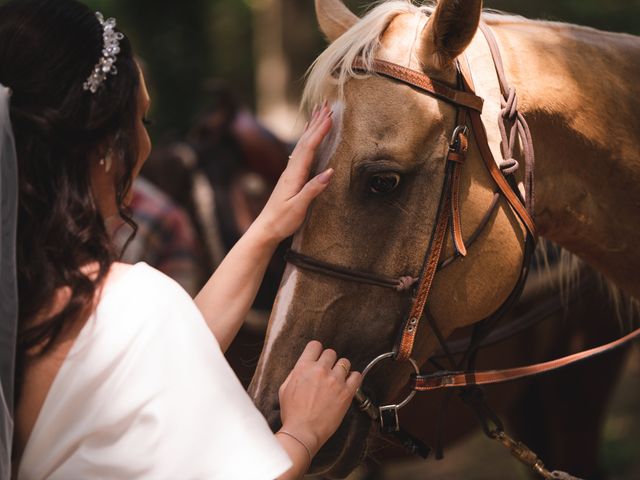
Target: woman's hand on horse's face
column 286, row 210
column 316, row 395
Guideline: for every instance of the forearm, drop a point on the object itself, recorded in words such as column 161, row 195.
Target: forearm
column 226, row 298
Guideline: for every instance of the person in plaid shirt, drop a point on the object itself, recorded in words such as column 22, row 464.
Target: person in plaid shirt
column 166, row 238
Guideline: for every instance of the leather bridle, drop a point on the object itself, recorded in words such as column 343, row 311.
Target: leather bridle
column 513, row 128
column 469, row 107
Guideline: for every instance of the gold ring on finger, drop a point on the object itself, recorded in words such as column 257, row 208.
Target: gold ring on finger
column 344, row 367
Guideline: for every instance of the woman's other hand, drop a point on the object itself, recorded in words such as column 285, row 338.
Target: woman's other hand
column 316, row 395
column 287, row 207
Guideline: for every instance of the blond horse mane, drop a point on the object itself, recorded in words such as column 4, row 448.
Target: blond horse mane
column 569, row 270
column 334, row 67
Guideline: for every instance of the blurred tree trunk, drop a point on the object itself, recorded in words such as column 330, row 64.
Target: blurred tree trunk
column 272, row 67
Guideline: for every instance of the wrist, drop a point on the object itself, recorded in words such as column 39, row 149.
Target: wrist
column 310, row 441
column 261, row 237
column 299, row 444
column 263, row 234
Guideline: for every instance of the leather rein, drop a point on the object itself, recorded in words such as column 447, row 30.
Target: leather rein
column 513, row 128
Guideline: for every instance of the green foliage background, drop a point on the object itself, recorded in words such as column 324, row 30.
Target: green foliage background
column 187, row 43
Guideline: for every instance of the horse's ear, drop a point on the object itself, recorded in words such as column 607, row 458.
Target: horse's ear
column 334, row 18
column 449, row 31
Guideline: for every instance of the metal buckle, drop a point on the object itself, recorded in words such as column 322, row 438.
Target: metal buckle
column 454, row 145
column 386, row 414
column 389, row 419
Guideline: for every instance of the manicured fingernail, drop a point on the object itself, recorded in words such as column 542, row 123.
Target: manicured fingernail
column 325, row 176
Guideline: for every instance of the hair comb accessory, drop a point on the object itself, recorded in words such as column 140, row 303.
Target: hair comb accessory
column 110, row 52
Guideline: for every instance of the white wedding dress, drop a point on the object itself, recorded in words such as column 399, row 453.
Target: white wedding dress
column 145, row 393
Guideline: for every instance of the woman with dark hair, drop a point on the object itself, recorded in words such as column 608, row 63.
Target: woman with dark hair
column 119, row 373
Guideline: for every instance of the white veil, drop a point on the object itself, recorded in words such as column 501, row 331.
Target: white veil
column 8, row 281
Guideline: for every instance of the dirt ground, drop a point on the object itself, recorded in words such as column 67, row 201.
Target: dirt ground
column 478, row 458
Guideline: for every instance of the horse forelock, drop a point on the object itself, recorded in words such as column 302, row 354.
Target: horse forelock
column 334, row 67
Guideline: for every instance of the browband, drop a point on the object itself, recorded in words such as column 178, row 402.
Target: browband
column 422, row 82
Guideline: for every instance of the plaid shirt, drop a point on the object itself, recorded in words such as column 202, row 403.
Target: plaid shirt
column 166, row 238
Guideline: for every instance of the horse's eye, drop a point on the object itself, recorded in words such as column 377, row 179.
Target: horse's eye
column 383, row 183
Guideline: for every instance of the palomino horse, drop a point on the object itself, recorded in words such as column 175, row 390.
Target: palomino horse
column 578, row 91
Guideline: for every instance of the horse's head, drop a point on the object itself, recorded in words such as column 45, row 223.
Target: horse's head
column 388, row 149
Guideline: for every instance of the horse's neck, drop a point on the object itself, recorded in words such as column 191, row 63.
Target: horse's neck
column 578, row 89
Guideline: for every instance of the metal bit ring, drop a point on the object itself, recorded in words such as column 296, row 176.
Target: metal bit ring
column 377, row 360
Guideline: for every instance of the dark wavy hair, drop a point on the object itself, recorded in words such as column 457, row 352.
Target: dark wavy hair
column 48, row 48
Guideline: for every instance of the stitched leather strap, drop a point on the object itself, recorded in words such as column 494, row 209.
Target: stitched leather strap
column 456, row 222
column 404, row 344
column 423, row 82
column 448, row 214
column 441, row 380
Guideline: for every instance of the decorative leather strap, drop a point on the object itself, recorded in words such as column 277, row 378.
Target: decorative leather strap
column 423, row 82
column 448, row 214
column 404, row 345
column 456, row 221
column 443, row 380
column 448, row 208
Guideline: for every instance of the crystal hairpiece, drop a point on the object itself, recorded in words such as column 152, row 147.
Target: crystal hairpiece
column 110, row 52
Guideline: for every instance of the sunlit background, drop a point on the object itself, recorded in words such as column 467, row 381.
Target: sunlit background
column 263, row 48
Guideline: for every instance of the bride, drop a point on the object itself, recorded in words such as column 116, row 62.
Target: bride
column 119, row 374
